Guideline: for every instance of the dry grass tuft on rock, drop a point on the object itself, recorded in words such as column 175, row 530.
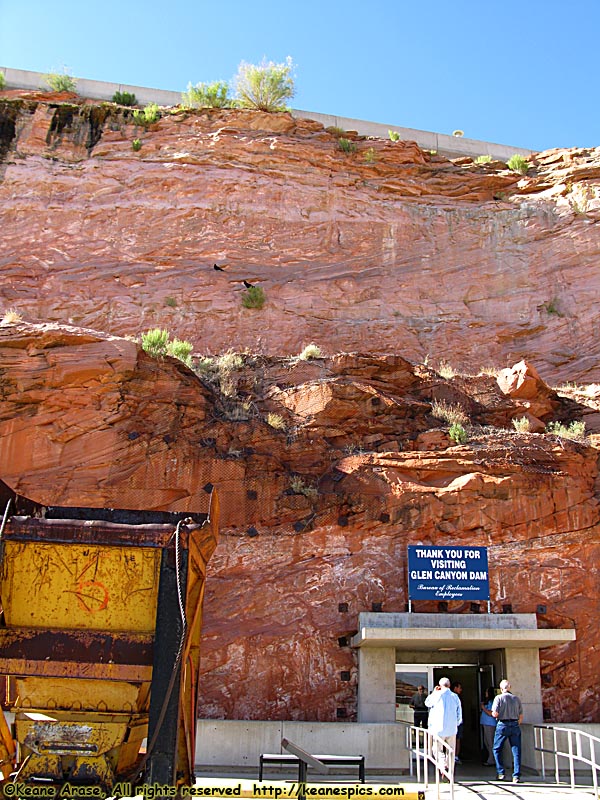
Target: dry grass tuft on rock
column 220, row 371
column 299, row 486
column 276, row 421
column 521, row 424
column 310, row 351
column 452, row 414
column 446, row 370
column 11, row 317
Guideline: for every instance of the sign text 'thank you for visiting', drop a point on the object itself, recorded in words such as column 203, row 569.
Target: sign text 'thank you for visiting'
column 448, row 573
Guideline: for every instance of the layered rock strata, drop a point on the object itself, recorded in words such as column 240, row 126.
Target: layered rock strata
column 384, row 248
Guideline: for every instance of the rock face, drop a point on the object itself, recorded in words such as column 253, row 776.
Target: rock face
column 384, row 249
column 327, row 469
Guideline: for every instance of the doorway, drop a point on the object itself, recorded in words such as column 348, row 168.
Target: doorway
column 470, row 698
column 474, row 679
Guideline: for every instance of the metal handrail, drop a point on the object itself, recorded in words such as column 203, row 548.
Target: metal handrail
column 577, row 742
column 428, row 747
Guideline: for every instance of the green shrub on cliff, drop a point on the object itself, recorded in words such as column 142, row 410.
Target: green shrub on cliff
column 254, row 297
column 2, row 81
column 207, row 95
column 147, row 116
column 518, row 163
column 346, row 146
column 155, row 341
column 61, row 82
column 575, row 430
column 299, row 486
column 265, row 86
column 182, row 350
column 124, row 98
column 458, row 434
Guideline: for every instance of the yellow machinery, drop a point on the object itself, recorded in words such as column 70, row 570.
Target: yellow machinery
column 99, row 633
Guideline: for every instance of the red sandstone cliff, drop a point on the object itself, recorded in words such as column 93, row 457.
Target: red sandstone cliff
column 318, row 512
column 386, row 249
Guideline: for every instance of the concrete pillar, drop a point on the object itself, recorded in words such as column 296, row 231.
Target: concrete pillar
column 523, row 672
column 377, row 684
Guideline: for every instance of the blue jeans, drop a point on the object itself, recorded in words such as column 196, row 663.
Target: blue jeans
column 512, row 732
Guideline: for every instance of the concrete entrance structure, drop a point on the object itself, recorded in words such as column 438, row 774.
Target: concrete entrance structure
column 509, row 642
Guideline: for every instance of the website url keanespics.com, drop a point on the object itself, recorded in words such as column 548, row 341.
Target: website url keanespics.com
column 291, row 789
column 22, row 791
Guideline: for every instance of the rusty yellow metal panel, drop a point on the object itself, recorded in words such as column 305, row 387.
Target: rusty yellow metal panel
column 80, row 614
column 74, row 586
column 59, row 669
column 89, row 742
column 75, row 694
column 62, row 736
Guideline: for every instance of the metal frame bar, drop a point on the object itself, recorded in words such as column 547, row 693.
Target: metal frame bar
column 576, row 743
column 163, row 724
column 426, row 747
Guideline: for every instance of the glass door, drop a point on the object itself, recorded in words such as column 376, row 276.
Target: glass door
column 474, row 680
column 408, row 679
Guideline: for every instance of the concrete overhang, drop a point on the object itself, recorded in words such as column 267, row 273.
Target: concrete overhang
column 461, row 638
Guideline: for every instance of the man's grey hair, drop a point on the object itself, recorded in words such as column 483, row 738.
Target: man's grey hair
column 445, row 682
column 504, row 685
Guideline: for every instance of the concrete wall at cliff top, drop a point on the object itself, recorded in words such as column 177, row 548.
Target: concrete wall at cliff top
column 452, row 146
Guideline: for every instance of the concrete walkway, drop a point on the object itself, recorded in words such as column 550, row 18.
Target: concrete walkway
column 471, row 783
column 528, row 790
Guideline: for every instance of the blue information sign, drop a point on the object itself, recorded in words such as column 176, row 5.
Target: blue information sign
column 448, row 573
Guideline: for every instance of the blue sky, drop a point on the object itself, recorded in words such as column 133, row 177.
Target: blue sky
column 518, row 73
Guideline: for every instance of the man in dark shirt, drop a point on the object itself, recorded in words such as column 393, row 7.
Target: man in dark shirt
column 508, row 710
column 417, row 702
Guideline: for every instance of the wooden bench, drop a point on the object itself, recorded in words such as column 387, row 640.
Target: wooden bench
column 329, row 760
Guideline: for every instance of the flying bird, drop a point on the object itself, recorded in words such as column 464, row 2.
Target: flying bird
column 248, row 285
column 218, row 268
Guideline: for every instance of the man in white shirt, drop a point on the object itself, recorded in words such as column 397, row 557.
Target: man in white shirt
column 445, row 715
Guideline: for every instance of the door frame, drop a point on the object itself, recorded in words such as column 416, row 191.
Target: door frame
column 482, row 676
